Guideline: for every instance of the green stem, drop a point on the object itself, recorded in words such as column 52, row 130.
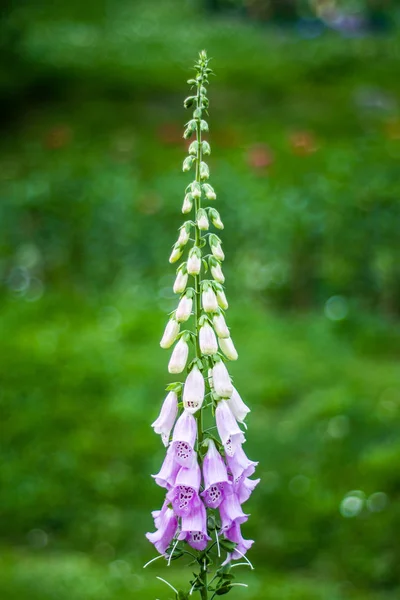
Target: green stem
column 197, row 281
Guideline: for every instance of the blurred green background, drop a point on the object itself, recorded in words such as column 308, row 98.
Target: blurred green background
column 305, row 133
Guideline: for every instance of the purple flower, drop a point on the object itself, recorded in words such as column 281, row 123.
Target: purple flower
column 245, row 488
column 240, row 466
column 216, row 482
column 184, row 496
column 194, row 528
column 165, row 421
column 167, row 525
column 231, row 512
column 235, row 535
column 183, row 439
column 168, row 472
column 229, row 431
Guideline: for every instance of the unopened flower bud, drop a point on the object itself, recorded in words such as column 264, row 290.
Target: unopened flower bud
column 176, row 253
column 184, row 309
column 202, row 220
column 207, row 339
column 187, row 204
column 196, row 189
column 216, row 248
column 216, row 219
column 190, row 128
column 184, row 234
column 193, row 391
column 228, row 348
column 188, row 102
column 170, row 333
column 193, row 148
column 179, row 357
column 222, row 301
column 221, row 380
column 216, row 272
column 187, row 163
column 194, row 261
column 197, row 113
column 204, row 171
column 205, row 147
column 220, row 325
column 209, row 300
column 180, row 282
column 203, row 125
column 209, row 191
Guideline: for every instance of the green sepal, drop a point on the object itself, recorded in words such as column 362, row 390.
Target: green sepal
column 227, row 545
column 176, row 386
column 223, row 590
column 188, row 102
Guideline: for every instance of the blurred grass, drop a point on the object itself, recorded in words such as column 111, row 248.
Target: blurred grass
column 305, row 138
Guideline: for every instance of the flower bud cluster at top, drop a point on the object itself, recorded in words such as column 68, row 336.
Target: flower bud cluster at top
column 204, row 476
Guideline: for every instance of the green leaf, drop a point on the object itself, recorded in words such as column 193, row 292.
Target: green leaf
column 223, row 590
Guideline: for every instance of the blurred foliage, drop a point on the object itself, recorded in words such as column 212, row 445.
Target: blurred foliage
column 306, row 140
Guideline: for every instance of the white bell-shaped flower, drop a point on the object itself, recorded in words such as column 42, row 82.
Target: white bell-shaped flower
column 180, row 282
column 217, row 273
column 238, row 408
column 184, row 235
column 170, row 333
column 221, row 380
column 179, row 357
column 187, row 204
column 194, row 262
column 220, row 326
column 184, row 309
column 176, row 253
column 222, row 301
column 193, row 391
column 209, row 300
column 207, row 340
column 228, row 348
column 202, row 220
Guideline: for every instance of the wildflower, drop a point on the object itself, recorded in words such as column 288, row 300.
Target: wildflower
column 216, row 483
column 234, row 534
column 222, row 301
column 166, row 530
column 196, row 189
column 216, row 249
column 184, row 309
column 170, row 333
column 193, row 391
column 183, row 439
column 228, row 348
column 216, row 219
column 187, row 163
column 209, row 300
column 184, row 496
column 194, row 528
column 204, row 171
column 194, row 261
column 179, row 357
column 221, row 380
column 202, row 220
column 164, row 423
column 238, row 407
column 169, row 469
column 209, row 192
column 187, row 204
column 231, row 512
column 216, row 271
column 184, row 234
column 181, row 281
column 245, row 488
column 220, row 326
column 207, row 340
column 176, row 253
column 231, row 435
column 205, row 146
column 239, row 465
